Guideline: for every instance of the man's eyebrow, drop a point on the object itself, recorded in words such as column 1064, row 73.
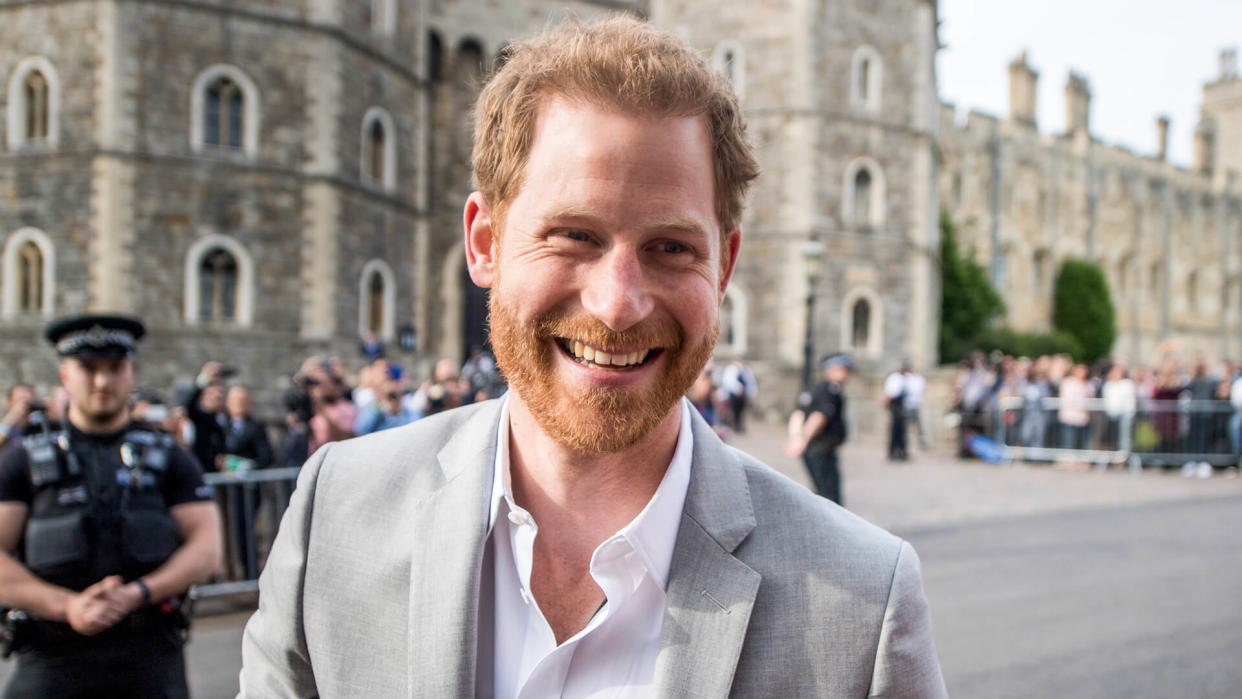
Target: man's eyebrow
column 573, row 213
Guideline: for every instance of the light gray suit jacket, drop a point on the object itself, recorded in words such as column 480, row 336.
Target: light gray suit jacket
column 372, row 587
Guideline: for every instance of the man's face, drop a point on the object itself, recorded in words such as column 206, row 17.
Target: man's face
column 98, row 388
column 212, row 400
column 238, row 402
column 612, row 246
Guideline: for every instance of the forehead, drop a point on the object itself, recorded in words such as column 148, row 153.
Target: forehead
column 580, row 148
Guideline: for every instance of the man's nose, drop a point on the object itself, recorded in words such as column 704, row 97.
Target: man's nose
column 614, row 290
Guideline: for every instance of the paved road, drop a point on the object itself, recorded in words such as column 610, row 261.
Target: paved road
column 1042, row 582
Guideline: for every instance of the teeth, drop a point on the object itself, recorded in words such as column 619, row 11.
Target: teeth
column 602, row 358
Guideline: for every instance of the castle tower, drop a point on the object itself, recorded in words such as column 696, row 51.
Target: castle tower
column 1222, row 110
column 841, row 101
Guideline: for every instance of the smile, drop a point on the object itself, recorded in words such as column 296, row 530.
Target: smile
column 595, row 358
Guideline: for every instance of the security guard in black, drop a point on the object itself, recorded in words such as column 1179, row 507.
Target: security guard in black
column 115, row 523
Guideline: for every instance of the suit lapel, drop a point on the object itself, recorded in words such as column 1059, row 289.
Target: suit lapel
column 710, row 593
column 447, row 552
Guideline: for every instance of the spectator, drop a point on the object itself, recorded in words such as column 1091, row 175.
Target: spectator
column 1202, row 389
column 915, row 385
column 740, row 388
column 204, row 408
column 1120, row 401
column 371, row 347
column 1073, row 413
column 895, row 399
column 480, row 372
column 387, row 410
column 444, row 391
column 333, row 412
column 17, row 415
column 1035, row 390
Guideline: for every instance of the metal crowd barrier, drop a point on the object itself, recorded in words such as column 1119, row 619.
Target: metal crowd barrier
column 1155, row 433
column 251, row 505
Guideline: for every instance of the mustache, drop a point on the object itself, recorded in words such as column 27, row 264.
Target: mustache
column 661, row 332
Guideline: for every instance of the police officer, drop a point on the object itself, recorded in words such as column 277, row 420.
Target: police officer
column 102, row 526
column 823, row 428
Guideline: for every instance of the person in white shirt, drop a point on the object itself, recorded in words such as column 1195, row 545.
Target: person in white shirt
column 738, row 383
column 895, row 400
column 587, row 535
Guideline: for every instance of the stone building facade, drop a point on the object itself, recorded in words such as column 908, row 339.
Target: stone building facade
column 1169, row 239
column 259, row 181
column 266, row 180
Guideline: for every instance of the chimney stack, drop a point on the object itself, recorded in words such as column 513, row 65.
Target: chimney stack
column 1162, row 137
column 1077, row 104
column 1228, row 64
column 1205, row 146
column 1022, row 82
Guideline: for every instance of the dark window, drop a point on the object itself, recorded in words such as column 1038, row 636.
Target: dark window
column 862, row 197
column 36, row 93
column 218, row 286
column 29, row 278
column 375, row 151
column 860, row 334
column 375, row 304
column 223, row 118
column 864, row 80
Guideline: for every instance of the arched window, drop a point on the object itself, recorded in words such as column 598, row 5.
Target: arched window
column 866, row 79
column 862, row 197
column 218, row 286
column 219, row 282
column 862, row 205
column 860, row 325
column 377, row 291
column 379, row 149
column 862, row 322
column 33, row 104
column 1123, row 274
column 730, row 61
column 223, row 120
column 28, row 274
column 29, row 278
column 224, row 112
column 435, row 57
column 1156, row 280
column 1192, row 291
column 36, row 106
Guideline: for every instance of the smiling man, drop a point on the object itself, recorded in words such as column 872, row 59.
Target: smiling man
column 587, row 535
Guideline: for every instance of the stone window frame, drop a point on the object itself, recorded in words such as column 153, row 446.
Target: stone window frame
column 876, row 215
column 12, row 248
column 871, row 101
column 739, row 310
column 388, row 313
column 720, row 61
column 875, row 330
column 251, row 112
column 383, row 18
column 388, row 181
column 243, row 315
column 16, row 132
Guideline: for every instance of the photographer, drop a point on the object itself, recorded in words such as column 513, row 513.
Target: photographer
column 386, row 410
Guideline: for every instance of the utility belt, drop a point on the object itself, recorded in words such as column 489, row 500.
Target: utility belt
column 20, row 632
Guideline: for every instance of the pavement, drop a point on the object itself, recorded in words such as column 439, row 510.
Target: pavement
column 1042, row 582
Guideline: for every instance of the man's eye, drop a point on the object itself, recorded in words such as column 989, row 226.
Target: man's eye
column 579, row 236
column 673, row 247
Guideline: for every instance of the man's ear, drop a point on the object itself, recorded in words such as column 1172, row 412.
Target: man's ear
column 480, row 241
column 728, row 260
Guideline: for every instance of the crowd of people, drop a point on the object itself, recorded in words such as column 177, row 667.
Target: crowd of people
column 1178, row 416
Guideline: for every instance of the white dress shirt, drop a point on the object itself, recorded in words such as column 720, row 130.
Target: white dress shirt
column 615, row 655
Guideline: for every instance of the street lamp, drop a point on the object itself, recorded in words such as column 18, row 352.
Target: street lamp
column 812, row 252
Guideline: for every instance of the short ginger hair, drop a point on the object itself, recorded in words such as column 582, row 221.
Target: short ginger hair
column 620, row 62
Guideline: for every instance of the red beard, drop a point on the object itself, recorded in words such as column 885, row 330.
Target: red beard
column 601, row 419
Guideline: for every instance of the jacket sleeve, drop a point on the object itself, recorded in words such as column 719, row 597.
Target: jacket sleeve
column 276, row 662
column 906, row 664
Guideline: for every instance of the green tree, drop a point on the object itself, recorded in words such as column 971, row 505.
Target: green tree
column 1082, row 307
column 968, row 301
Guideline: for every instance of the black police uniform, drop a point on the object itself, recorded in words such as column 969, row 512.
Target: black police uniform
column 821, row 453
column 99, row 505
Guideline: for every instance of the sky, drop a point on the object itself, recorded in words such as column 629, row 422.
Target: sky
column 1142, row 58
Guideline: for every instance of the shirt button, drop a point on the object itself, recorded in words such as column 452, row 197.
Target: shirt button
column 517, row 517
